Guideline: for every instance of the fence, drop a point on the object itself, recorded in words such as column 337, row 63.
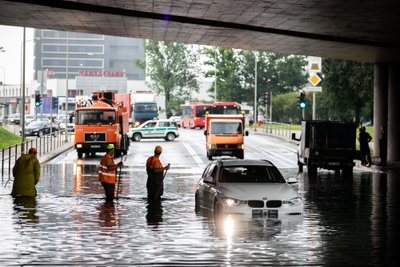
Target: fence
column 281, row 129
column 43, row 145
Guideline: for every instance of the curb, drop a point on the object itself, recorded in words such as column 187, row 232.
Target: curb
column 55, row 153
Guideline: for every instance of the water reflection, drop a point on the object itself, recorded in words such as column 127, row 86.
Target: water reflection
column 25, row 209
column 154, row 214
column 108, row 215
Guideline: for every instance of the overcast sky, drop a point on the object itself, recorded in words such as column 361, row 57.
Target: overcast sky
column 10, row 60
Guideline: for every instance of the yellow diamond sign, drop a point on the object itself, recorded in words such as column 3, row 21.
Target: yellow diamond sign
column 314, row 79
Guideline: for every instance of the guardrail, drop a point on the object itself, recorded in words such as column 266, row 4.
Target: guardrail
column 43, row 145
column 281, row 129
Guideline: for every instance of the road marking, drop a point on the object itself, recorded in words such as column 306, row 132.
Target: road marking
column 193, row 154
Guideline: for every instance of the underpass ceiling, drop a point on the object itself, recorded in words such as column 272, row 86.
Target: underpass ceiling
column 358, row 30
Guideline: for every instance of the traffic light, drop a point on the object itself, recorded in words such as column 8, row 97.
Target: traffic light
column 54, row 102
column 302, row 100
column 267, row 98
column 38, row 100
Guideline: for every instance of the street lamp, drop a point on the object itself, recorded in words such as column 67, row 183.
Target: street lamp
column 66, row 90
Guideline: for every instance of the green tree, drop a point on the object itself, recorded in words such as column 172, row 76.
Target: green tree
column 285, row 108
column 347, row 90
column 224, row 65
column 173, row 72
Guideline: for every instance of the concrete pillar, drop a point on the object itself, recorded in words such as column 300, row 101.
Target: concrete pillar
column 393, row 128
column 380, row 102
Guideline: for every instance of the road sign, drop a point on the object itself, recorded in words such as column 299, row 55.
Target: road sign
column 314, row 79
column 314, row 64
column 313, row 89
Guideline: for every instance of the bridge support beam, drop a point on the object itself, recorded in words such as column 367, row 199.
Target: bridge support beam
column 393, row 128
column 381, row 74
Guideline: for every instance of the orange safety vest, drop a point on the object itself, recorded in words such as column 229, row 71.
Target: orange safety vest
column 106, row 175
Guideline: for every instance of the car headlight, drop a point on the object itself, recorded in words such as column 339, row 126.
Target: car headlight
column 294, row 201
column 136, row 124
column 231, row 202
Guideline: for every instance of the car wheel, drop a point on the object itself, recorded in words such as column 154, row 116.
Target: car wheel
column 136, row 137
column 300, row 166
column 80, row 154
column 170, row 137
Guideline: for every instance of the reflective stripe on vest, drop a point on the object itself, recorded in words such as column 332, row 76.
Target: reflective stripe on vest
column 105, row 175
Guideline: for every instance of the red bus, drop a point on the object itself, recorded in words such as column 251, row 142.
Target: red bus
column 193, row 114
column 225, row 108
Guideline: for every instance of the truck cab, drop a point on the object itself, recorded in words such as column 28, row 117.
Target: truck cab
column 225, row 135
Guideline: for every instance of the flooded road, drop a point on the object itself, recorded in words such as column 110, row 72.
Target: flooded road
column 347, row 221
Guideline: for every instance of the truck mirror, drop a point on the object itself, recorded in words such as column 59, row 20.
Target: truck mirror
column 246, row 133
column 205, row 132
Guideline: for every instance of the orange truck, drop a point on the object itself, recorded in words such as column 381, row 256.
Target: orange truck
column 225, row 135
column 100, row 122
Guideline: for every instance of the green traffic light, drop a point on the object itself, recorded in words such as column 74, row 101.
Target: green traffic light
column 302, row 104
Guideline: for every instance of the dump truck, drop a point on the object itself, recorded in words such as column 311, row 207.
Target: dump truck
column 225, row 135
column 328, row 145
column 99, row 122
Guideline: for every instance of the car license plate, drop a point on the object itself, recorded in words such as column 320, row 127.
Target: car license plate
column 95, row 146
column 265, row 213
column 226, row 152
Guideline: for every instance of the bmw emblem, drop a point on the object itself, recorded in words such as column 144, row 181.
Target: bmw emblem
column 264, row 198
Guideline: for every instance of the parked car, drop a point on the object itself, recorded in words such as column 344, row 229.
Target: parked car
column 164, row 128
column 176, row 119
column 14, row 118
column 70, row 124
column 39, row 128
column 29, row 118
column 253, row 188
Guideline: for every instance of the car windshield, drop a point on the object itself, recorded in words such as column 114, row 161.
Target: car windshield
column 95, row 117
column 226, row 128
column 36, row 124
column 251, row 174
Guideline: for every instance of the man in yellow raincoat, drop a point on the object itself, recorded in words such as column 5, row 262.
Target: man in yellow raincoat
column 26, row 174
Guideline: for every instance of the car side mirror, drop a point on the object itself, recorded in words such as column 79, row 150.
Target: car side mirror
column 294, row 137
column 205, row 132
column 292, row 181
column 246, row 133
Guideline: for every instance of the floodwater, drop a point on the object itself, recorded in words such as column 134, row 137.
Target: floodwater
column 347, row 221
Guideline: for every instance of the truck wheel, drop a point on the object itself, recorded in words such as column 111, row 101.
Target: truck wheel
column 170, row 137
column 240, row 155
column 80, row 154
column 209, row 157
column 136, row 137
column 117, row 153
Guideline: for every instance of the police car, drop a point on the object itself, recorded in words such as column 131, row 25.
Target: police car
column 163, row 128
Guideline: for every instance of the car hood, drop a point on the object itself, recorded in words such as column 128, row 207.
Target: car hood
column 252, row 191
column 28, row 127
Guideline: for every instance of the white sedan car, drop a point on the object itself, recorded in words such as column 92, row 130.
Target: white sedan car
column 254, row 188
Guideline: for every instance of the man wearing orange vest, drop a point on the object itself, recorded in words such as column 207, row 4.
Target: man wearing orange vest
column 155, row 176
column 108, row 172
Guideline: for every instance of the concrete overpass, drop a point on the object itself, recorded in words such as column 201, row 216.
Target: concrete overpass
column 357, row 30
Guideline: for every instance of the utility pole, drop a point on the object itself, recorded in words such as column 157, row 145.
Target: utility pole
column 255, row 92
column 66, row 90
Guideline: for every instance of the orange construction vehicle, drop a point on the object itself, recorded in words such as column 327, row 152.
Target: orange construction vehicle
column 225, row 135
column 100, row 122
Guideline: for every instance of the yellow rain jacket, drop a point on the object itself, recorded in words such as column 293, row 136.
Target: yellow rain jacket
column 26, row 174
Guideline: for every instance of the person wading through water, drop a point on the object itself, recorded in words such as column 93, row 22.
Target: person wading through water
column 108, row 172
column 155, row 176
column 26, row 174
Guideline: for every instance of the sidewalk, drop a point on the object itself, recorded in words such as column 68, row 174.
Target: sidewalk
column 56, row 152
